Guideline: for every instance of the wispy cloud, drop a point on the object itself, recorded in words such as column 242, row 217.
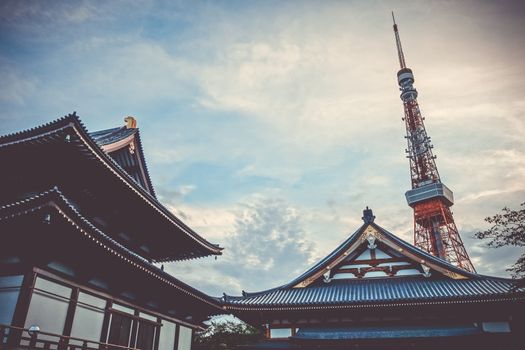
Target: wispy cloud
column 267, row 245
column 290, row 100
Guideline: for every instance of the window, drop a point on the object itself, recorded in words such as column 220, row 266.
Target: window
column 88, row 319
column 120, row 329
column 184, row 338
column 146, row 335
column 48, row 309
column 134, row 329
column 125, row 326
column 48, row 306
column 495, row 327
column 9, row 290
column 280, row 332
column 123, row 309
column 167, row 335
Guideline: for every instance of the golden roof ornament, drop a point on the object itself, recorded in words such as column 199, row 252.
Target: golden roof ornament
column 131, row 122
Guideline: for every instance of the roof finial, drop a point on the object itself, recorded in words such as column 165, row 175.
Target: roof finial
column 131, row 123
column 368, row 216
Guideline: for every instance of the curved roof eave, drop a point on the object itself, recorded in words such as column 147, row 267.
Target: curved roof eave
column 55, row 199
column 73, row 121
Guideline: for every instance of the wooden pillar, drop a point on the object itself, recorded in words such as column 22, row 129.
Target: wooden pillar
column 106, row 323
column 22, row 307
column 69, row 317
column 177, row 333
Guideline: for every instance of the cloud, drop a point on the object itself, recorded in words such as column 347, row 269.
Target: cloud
column 266, row 247
column 239, row 100
column 15, row 88
column 490, row 261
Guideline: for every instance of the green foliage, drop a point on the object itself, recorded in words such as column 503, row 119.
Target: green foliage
column 508, row 228
column 225, row 334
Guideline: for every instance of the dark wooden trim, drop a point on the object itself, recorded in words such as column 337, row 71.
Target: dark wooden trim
column 375, row 262
column 68, row 325
column 105, row 324
column 22, row 305
column 134, row 328
column 363, row 270
column 158, row 330
column 135, row 316
column 176, row 342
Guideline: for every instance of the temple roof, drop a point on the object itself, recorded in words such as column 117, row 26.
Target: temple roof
column 373, row 267
column 357, row 293
column 53, row 205
column 99, row 150
column 113, row 135
column 360, row 236
column 124, row 146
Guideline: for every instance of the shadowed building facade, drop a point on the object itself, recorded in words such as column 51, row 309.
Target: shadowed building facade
column 81, row 229
column 376, row 291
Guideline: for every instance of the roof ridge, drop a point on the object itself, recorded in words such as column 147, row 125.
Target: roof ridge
column 48, row 125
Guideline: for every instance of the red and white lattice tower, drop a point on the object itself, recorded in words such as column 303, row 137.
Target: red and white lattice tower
column 434, row 227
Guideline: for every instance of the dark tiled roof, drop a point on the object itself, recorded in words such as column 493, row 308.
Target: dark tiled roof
column 113, row 135
column 55, row 200
column 109, row 136
column 385, row 332
column 380, row 291
column 72, row 129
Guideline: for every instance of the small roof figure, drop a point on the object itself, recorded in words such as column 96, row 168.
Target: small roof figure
column 368, row 216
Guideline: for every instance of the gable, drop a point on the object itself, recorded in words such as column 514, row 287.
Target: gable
column 127, row 157
column 375, row 253
column 123, row 145
column 375, row 261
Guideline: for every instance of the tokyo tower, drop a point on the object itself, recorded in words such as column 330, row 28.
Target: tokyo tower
column 434, row 227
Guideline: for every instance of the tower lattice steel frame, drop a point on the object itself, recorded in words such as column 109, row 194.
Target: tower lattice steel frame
column 434, row 228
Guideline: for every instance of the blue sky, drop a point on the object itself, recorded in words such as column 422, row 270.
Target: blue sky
column 268, row 125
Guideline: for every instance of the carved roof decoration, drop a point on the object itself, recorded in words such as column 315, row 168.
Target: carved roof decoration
column 123, row 145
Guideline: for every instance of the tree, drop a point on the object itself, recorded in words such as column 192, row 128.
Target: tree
column 508, row 228
column 223, row 334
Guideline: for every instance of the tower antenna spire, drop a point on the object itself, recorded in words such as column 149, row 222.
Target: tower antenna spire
column 400, row 54
column 434, row 228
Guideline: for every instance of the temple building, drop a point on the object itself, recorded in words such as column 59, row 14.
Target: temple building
column 376, row 291
column 81, row 230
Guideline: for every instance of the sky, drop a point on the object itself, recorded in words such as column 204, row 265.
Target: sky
column 268, row 126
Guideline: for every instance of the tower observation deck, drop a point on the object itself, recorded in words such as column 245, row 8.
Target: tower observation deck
column 434, row 228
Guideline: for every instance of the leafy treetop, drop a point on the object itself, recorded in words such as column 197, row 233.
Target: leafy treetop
column 508, row 229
